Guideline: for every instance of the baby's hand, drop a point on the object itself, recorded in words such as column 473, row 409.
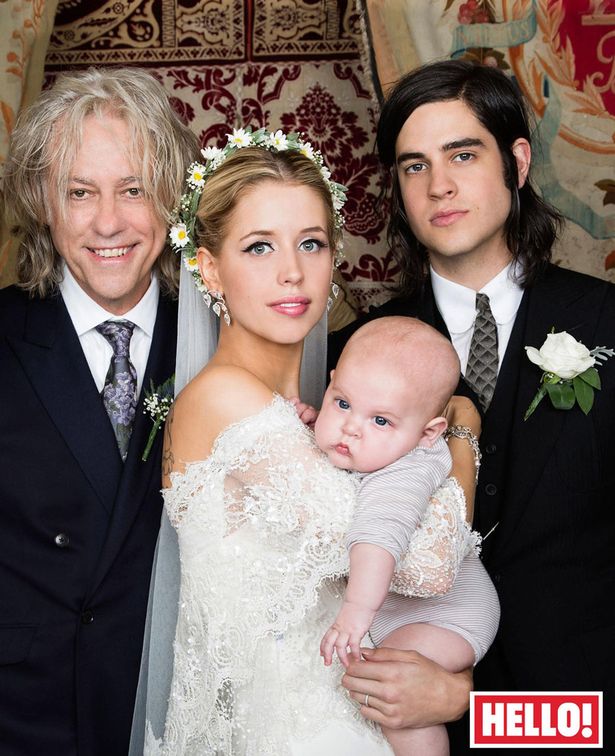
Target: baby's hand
column 307, row 413
column 347, row 631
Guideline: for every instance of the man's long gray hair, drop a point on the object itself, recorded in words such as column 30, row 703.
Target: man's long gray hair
column 44, row 145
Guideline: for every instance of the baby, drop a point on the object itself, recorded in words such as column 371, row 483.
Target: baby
column 382, row 416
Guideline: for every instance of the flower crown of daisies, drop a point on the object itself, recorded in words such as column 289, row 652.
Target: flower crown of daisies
column 182, row 233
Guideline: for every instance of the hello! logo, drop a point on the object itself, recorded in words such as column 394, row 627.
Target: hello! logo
column 535, row 720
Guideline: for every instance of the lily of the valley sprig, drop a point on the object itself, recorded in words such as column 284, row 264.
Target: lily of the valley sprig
column 157, row 404
column 570, row 376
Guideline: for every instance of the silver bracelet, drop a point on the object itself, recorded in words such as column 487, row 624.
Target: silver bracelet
column 462, row 431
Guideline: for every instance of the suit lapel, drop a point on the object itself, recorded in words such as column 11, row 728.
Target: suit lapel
column 136, row 479
column 552, row 303
column 428, row 312
column 51, row 356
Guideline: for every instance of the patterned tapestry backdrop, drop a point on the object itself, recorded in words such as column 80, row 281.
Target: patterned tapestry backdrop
column 293, row 64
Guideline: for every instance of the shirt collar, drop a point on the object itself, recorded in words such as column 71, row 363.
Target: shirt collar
column 457, row 303
column 86, row 314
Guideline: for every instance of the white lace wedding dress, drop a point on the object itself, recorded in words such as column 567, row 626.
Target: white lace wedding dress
column 261, row 526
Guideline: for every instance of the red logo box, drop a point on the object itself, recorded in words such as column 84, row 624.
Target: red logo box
column 536, row 720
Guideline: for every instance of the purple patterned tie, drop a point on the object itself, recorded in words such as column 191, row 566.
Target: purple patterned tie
column 482, row 370
column 119, row 393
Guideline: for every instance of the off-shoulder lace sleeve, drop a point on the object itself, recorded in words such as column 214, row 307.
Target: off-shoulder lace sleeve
column 409, row 509
column 393, row 500
column 438, row 545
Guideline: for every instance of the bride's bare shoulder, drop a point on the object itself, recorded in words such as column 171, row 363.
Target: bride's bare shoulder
column 218, row 397
column 226, row 392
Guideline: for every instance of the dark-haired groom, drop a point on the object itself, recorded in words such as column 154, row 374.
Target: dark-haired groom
column 474, row 242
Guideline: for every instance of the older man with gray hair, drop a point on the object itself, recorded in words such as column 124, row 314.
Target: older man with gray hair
column 94, row 170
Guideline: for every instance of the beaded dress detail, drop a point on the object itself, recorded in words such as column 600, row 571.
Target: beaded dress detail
column 261, row 525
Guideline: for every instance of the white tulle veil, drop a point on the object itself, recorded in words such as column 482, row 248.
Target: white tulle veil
column 196, row 342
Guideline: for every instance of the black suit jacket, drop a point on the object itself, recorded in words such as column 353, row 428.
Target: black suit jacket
column 549, row 485
column 77, row 534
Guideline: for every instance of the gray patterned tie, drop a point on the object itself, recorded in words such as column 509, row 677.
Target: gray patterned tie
column 119, row 393
column 482, row 370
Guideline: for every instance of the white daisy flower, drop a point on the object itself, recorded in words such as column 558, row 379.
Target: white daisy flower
column 279, row 140
column 211, row 153
column 240, row 138
column 191, row 263
column 179, row 235
column 325, row 172
column 307, row 150
column 196, row 178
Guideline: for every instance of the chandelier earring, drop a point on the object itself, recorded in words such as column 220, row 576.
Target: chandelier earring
column 335, row 290
column 219, row 306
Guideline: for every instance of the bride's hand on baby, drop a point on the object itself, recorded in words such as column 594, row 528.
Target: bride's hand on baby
column 307, row 413
column 346, row 633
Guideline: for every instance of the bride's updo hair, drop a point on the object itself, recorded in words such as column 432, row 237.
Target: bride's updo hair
column 248, row 168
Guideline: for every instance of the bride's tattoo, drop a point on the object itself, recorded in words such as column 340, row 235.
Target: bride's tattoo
column 168, row 460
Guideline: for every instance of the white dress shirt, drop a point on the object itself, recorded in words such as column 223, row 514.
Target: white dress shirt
column 86, row 314
column 457, row 305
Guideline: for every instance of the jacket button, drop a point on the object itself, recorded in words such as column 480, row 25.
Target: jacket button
column 62, row 540
column 87, row 617
column 491, row 489
column 497, row 578
column 491, row 448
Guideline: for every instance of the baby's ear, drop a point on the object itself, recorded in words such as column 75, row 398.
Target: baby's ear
column 432, row 431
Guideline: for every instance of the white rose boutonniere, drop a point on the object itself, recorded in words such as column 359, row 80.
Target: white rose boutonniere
column 569, row 375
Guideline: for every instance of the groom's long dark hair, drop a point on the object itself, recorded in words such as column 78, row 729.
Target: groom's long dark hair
column 532, row 224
